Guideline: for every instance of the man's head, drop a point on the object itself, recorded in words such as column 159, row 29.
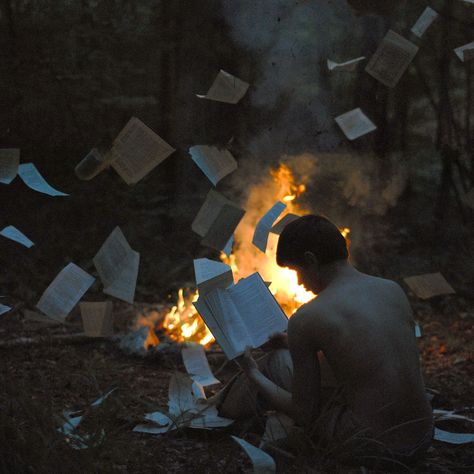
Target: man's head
column 307, row 245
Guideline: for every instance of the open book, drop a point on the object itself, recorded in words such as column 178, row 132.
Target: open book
column 242, row 315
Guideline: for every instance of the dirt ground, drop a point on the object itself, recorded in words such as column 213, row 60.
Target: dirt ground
column 40, row 381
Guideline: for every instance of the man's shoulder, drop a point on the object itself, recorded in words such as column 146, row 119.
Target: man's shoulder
column 312, row 313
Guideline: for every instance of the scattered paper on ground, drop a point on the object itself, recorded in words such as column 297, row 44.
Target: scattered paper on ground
column 440, row 415
column 137, row 150
column 65, row 291
column 392, row 58
column 465, row 53
column 197, row 366
column 226, row 88
column 278, row 426
column 262, row 462
column 355, row 123
column 453, row 438
column 429, row 285
column 33, row 179
column 217, row 220
column 12, row 233
column 424, row 22
column 117, row 264
column 187, row 407
column 9, row 162
column 97, row 318
column 283, row 222
column 262, row 229
column 4, row 309
column 214, row 163
column 211, row 274
column 350, row 65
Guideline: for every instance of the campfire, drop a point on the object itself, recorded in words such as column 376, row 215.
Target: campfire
column 182, row 323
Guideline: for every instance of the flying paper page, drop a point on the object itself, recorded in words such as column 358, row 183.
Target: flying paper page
column 355, row 123
column 4, row 309
column 217, row 220
column 429, row 285
column 453, row 438
column 214, row 163
column 211, row 274
column 137, row 150
column 197, row 366
column 392, row 58
column 283, row 222
column 346, row 66
column 97, row 318
column 65, row 291
column 33, row 179
column 9, row 162
column 92, row 165
column 260, row 236
column 245, row 314
column 226, row 88
column 424, row 22
column 117, row 264
column 13, row 233
column 417, row 329
column 465, row 53
column 228, row 246
column 180, row 395
column 262, row 462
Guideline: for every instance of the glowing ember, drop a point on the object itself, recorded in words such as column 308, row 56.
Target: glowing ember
column 182, row 322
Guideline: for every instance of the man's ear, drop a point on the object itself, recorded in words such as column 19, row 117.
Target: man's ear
column 310, row 258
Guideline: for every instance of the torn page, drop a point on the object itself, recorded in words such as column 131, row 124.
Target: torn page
column 137, row 150
column 429, row 285
column 260, row 236
column 283, row 222
column 262, row 462
column 424, row 22
column 33, row 179
column 350, row 65
column 214, row 163
column 355, row 124
column 226, row 88
column 65, row 291
column 217, row 220
column 9, row 162
column 211, row 274
column 117, row 264
column 97, row 318
column 197, row 366
column 453, row 438
column 278, row 426
column 391, row 59
column 12, row 233
column 465, row 53
column 102, row 399
column 4, row 308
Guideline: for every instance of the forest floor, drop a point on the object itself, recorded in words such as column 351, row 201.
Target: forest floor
column 40, row 381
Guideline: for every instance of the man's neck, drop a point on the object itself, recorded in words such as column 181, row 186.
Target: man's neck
column 332, row 273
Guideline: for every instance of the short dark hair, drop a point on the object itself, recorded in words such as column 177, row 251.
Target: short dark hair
column 311, row 233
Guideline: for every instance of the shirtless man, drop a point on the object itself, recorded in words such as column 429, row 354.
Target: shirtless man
column 364, row 327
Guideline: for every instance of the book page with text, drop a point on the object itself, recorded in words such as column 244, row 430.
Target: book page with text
column 258, row 309
column 137, row 150
column 214, row 162
column 226, row 88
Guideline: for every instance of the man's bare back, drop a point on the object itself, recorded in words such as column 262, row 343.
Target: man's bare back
column 364, row 327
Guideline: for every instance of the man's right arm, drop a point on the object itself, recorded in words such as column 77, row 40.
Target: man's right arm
column 306, row 372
